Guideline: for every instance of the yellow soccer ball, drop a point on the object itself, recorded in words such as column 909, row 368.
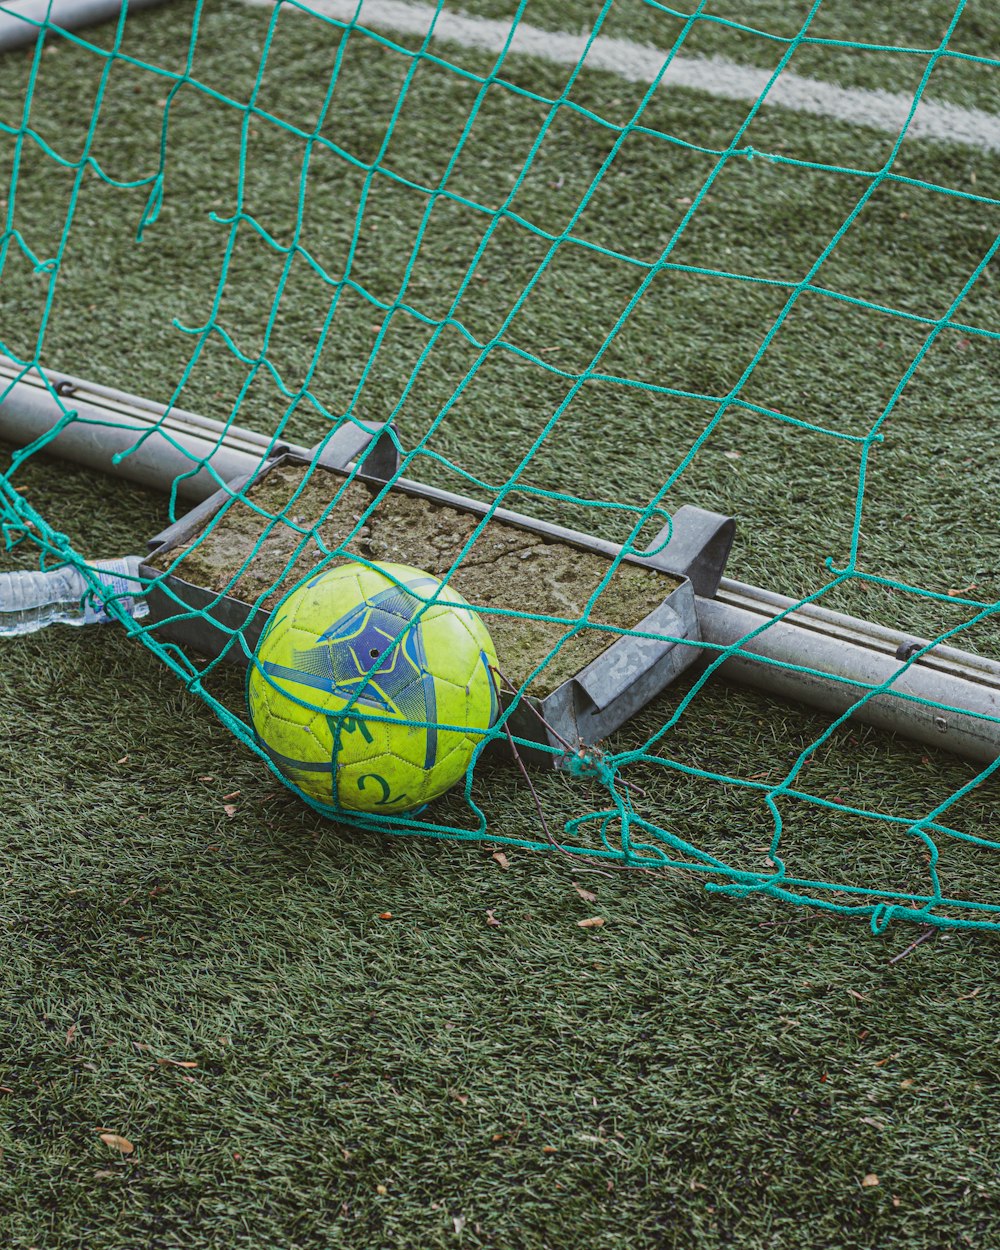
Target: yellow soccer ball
column 366, row 698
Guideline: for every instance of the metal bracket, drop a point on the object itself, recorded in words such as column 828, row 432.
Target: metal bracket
column 367, row 443
column 585, row 707
column 201, row 512
column 623, row 679
column 696, row 545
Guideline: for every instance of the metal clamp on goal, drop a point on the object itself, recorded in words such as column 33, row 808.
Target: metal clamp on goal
column 222, row 568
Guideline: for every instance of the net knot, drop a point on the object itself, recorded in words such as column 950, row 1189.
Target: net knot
column 587, row 761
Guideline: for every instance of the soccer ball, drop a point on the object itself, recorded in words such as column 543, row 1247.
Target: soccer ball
column 351, row 656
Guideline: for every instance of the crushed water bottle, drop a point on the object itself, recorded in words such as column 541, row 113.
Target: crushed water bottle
column 30, row 599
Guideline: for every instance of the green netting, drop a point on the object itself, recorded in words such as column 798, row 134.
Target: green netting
column 583, row 292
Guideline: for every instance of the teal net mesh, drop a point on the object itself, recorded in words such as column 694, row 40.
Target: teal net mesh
column 735, row 260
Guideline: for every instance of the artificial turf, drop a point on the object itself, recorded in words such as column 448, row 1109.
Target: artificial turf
column 403, row 1041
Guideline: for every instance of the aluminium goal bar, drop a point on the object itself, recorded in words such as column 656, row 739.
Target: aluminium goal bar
column 21, row 20
column 945, row 697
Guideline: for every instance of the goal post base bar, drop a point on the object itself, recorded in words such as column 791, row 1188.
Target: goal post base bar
column 21, row 20
column 944, row 698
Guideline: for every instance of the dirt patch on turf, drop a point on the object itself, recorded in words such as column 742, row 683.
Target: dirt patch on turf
column 260, row 547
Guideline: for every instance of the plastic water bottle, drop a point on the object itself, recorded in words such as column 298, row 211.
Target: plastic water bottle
column 31, row 599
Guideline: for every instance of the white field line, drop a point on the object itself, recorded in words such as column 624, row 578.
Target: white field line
column 636, row 62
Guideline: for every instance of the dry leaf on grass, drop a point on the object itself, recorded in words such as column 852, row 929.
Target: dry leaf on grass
column 491, row 920
column 869, row 1181
column 117, row 1142
column 586, row 895
column 70, row 1034
column 229, row 809
column 501, row 859
column 594, row 922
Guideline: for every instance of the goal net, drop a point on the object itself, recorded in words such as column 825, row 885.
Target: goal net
column 590, row 267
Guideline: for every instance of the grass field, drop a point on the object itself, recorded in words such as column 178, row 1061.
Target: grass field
column 402, row 1041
